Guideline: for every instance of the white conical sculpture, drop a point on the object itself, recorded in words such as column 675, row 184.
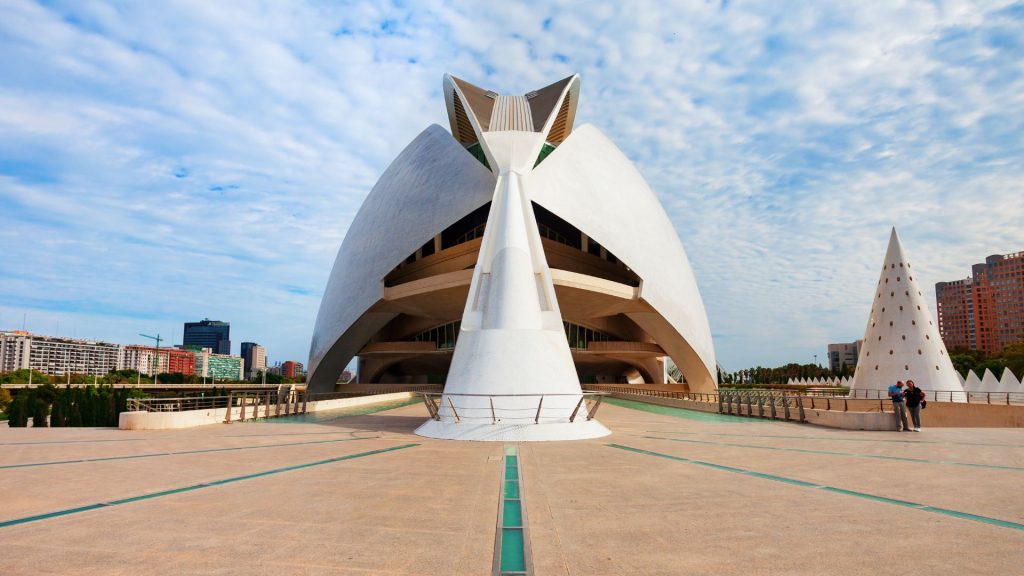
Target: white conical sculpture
column 989, row 382
column 901, row 340
column 512, row 342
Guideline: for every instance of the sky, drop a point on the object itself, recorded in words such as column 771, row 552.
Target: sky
column 163, row 162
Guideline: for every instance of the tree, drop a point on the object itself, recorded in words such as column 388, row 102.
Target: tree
column 40, row 411
column 963, row 362
column 18, row 410
column 1014, row 357
column 996, row 365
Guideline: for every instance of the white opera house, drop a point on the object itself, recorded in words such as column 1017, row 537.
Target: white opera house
column 513, row 258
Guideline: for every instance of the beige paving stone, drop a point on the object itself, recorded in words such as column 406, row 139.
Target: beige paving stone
column 432, row 508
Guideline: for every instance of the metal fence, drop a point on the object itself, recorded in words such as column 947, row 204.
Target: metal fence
column 176, row 404
column 518, row 408
column 249, row 404
column 979, row 397
column 678, row 395
column 823, row 397
column 771, row 404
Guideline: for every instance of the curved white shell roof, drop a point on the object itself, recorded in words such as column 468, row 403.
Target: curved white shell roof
column 414, row 199
column 585, row 181
column 589, row 182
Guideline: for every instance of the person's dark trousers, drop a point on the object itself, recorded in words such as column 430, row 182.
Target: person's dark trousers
column 901, row 416
column 915, row 415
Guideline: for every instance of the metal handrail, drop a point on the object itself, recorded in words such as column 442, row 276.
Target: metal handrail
column 978, row 397
column 459, row 412
column 176, row 404
column 966, row 396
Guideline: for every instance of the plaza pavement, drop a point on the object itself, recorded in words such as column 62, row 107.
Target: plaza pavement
column 669, row 492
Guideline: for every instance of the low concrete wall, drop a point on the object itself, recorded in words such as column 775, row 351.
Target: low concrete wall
column 851, row 420
column 321, row 405
column 193, row 418
column 173, row 420
column 860, row 414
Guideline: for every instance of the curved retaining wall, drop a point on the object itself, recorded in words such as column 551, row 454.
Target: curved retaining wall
column 193, row 418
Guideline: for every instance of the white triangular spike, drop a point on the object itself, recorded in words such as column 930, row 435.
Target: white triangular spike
column 1008, row 382
column 901, row 340
column 1020, row 381
column 972, row 383
column 989, row 382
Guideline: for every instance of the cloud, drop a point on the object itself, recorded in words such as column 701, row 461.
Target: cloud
column 173, row 161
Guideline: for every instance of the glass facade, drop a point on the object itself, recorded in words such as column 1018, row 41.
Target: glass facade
column 580, row 336
column 207, row 333
column 444, row 335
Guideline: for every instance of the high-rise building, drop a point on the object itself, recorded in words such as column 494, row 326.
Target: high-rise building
column 57, row 356
column 14, row 350
column 291, row 369
column 984, row 312
column 955, row 309
column 218, row 366
column 255, row 357
column 167, row 360
column 212, row 334
column 843, row 355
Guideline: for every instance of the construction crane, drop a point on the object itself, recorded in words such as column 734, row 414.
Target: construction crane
column 156, row 357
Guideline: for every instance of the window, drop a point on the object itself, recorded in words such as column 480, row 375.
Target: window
column 444, row 336
column 472, row 234
column 580, row 337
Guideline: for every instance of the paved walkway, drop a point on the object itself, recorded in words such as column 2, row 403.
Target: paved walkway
column 670, row 492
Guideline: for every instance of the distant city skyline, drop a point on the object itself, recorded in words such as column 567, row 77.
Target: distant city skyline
column 160, row 164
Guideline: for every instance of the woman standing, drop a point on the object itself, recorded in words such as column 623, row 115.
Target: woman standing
column 915, row 399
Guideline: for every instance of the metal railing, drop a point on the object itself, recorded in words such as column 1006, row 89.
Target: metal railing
column 678, row 395
column 776, row 405
column 249, row 404
column 176, row 404
column 150, row 385
column 976, row 397
column 519, row 408
column 828, row 397
column 282, row 402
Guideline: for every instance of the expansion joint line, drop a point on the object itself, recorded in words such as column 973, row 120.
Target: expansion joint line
column 832, row 489
column 512, row 554
column 69, row 511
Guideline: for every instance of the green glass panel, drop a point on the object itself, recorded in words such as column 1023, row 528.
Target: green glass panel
column 511, row 470
column 478, row 152
column 511, row 489
column 513, row 514
column 547, row 149
column 512, row 559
